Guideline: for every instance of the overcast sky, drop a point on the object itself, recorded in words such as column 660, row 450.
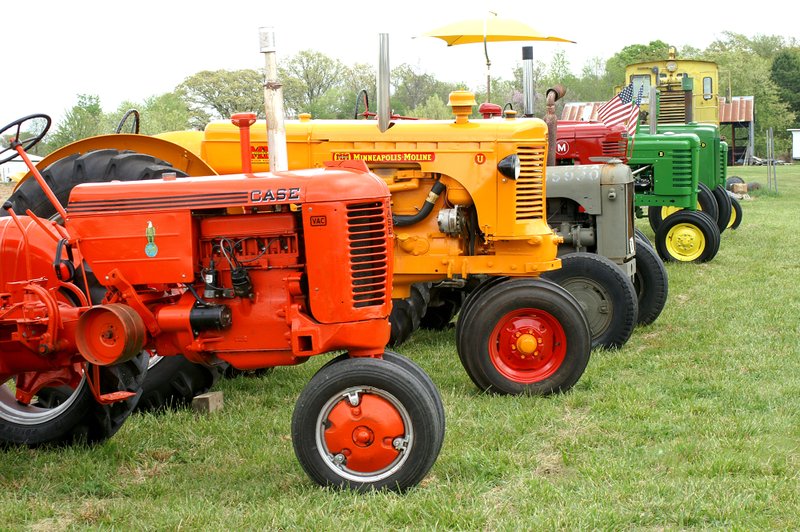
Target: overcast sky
column 120, row 51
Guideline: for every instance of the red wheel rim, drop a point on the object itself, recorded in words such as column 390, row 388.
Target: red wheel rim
column 527, row 345
column 365, row 436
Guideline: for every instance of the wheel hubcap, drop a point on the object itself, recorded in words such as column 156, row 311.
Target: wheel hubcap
column 528, row 345
column 685, row 242
column 364, row 434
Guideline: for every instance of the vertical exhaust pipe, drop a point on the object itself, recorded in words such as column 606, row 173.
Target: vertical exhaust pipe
column 527, row 81
column 273, row 104
column 553, row 95
column 653, row 115
column 384, row 107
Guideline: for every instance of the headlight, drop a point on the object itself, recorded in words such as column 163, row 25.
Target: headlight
column 509, row 167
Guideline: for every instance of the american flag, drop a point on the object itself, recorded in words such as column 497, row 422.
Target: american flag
column 622, row 109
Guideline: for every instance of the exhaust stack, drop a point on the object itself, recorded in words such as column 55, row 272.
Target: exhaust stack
column 527, row 81
column 273, row 104
column 384, row 107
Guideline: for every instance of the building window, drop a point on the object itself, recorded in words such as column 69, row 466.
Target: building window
column 707, row 88
column 642, row 81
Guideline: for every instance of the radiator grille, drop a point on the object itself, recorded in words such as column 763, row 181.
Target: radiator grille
column 367, row 234
column 682, row 168
column 530, row 185
column 615, row 149
column 672, row 107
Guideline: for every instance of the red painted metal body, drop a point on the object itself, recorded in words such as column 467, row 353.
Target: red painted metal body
column 256, row 269
column 577, row 142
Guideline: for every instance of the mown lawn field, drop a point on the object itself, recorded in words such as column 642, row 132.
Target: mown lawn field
column 694, row 423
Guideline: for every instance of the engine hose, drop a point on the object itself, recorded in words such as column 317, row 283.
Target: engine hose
column 404, row 220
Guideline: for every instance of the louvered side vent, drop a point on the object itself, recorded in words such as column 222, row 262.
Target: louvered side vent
column 682, row 168
column 672, row 107
column 723, row 162
column 367, row 233
column 615, row 149
column 530, row 185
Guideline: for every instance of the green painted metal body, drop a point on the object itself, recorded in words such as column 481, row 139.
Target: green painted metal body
column 713, row 151
column 671, row 169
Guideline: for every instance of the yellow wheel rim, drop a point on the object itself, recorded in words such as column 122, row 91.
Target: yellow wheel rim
column 733, row 218
column 666, row 211
column 685, row 242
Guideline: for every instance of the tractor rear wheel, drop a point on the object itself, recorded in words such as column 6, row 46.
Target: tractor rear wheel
column 650, row 281
column 168, row 383
column 640, row 235
column 687, row 236
column 736, row 214
column 444, row 304
column 523, row 336
column 60, row 414
column 706, row 203
column 366, row 424
column 724, row 205
column 407, row 313
column 605, row 293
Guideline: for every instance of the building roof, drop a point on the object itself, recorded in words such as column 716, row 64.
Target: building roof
column 739, row 109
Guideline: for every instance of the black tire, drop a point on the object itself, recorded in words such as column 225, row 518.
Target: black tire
column 650, row 282
column 173, row 381
column 539, row 309
column 731, row 181
column 724, row 206
column 444, row 304
column 606, row 295
column 473, row 296
column 639, row 234
column 654, row 217
column 707, row 202
column 98, row 166
column 687, row 236
column 64, row 415
column 178, row 381
column 407, row 313
column 736, row 214
column 322, row 447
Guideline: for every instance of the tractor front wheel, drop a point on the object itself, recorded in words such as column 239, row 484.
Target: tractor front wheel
column 650, row 282
column 605, row 293
column 523, row 336
column 61, row 414
column 687, row 236
column 367, row 424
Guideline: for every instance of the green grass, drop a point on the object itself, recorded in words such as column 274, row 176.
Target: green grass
column 695, row 423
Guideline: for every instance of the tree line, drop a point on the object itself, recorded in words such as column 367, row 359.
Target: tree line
column 765, row 66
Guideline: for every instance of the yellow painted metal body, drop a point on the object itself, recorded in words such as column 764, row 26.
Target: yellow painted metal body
column 682, row 84
column 180, row 155
column 410, row 156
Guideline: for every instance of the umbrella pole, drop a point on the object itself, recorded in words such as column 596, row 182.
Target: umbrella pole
column 488, row 69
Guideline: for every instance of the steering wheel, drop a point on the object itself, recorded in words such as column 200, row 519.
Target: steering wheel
column 15, row 139
column 135, row 126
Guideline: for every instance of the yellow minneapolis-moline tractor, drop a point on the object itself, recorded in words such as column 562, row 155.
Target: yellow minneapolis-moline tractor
column 468, row 207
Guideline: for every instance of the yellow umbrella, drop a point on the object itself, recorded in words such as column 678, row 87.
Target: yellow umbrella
column 489, row 29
